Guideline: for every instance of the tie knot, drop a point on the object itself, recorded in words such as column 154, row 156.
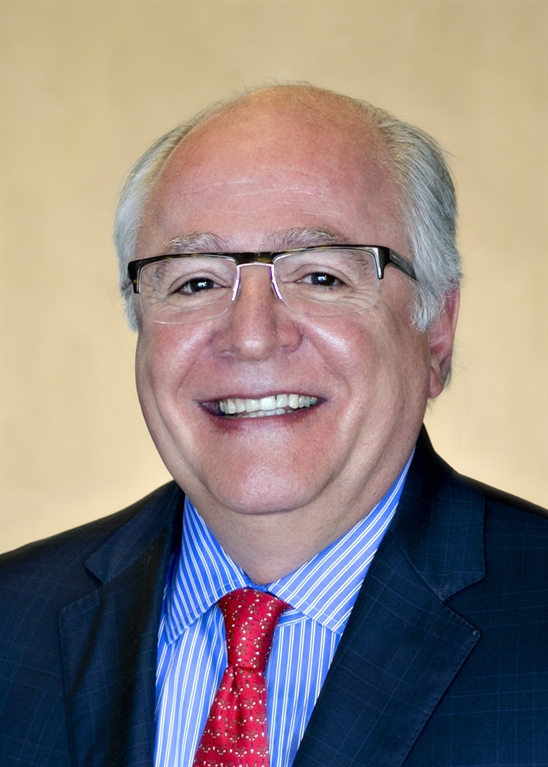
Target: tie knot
column 250, row 619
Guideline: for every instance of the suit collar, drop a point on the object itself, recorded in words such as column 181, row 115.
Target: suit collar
column 439, row 524
column 146, row 520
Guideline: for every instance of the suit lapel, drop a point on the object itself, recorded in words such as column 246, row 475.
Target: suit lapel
column 109, row 641
column 403, row 645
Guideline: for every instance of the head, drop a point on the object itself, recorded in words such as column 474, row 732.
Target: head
column 276, row 169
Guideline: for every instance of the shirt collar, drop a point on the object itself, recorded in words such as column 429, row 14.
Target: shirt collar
column 323, row 589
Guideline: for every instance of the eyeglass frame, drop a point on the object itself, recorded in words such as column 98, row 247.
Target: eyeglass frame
column 382, row 255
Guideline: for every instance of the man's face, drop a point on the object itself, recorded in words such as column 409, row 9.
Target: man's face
column 266, row 177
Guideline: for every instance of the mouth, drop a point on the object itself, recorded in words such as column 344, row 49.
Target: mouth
column 275, row 404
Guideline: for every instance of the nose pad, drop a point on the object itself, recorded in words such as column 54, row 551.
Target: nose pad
column 273, row 283
column 252, row 295
column 236, row 290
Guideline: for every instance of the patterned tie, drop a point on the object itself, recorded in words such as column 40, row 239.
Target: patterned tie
column 236, row 733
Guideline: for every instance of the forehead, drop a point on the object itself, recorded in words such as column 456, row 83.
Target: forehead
column 274, row 163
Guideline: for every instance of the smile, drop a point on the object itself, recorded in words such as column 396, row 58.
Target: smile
column 275, row 404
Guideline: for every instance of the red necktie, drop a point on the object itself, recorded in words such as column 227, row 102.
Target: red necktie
column 236, row 732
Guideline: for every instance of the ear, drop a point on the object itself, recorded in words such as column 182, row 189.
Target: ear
column 441, row 336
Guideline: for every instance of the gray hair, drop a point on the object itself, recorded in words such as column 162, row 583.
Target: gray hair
column 428, row 202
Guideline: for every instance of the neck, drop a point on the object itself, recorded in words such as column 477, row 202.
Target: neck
column 270, row 545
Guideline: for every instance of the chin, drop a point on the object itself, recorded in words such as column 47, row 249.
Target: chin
column 264, row 492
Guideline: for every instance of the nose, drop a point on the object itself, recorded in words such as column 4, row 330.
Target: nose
column 258, row 324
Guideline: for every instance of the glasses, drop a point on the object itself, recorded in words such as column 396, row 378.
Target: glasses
column 322, row 281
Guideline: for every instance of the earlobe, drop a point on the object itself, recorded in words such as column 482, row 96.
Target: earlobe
column 441, row 337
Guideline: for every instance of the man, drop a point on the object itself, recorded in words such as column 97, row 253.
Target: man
column 293, row 279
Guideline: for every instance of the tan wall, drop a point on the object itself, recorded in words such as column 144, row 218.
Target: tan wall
column 88, row 85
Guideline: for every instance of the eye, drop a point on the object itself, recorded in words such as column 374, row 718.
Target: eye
column 196, row 285
column 322, row 280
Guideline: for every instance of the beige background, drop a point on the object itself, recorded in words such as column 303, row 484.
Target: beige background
column 88, row 85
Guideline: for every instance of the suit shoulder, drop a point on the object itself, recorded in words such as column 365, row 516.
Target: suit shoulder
column 434, row 479
column 498, row 502
column 516, row 533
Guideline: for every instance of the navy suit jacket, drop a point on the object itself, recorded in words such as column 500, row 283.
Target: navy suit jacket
column 444, row 660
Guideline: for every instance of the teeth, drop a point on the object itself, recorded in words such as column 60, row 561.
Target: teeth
column 275, row 404
column 267, row 403
column 282, row 400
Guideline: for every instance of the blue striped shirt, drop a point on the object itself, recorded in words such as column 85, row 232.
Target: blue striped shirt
column 191, row 642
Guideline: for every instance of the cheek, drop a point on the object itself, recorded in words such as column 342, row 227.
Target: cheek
column 377, row 345
column 146, row 370
column 165, row 356
column 389, row 370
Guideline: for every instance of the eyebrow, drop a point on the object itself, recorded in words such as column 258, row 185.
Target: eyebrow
column 307, row 236
column 296, row 237
column 196, row 242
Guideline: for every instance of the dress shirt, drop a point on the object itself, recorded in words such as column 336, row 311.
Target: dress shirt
column 191, row 642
